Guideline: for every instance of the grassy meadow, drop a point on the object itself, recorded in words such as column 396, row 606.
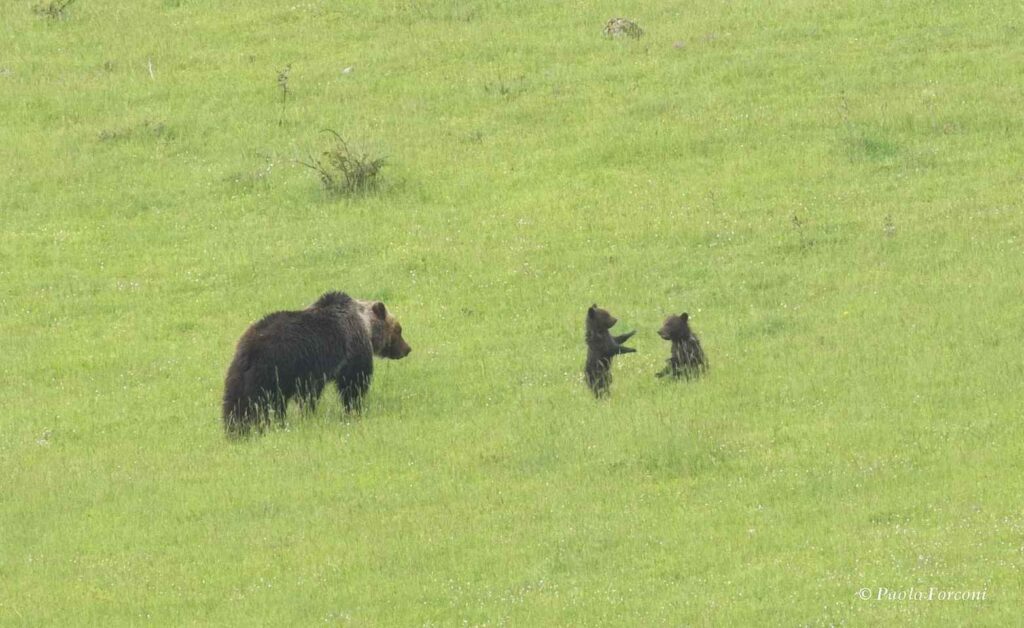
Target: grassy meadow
column 833, row 191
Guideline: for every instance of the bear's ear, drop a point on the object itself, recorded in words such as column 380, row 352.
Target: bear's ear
column 590, row 312
column 380, row 310
column 685, row 317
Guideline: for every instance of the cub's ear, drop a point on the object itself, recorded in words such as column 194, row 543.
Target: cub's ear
column 380, row 310
column 590, row 312
column 685, row 317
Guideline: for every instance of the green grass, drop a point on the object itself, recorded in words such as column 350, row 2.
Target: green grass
column 832, row 191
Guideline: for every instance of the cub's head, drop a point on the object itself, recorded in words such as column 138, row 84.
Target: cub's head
column 676, row 327
column 600, row 319
column 386, row 333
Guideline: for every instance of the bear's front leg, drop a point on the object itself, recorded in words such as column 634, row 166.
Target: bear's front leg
column 353, row 381
column 624, row 337
column 352, row 393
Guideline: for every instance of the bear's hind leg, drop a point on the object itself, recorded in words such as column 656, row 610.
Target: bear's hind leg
column 238, row 420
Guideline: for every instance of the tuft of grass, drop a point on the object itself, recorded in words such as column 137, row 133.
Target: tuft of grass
column 863, row 142
column 343, row 170
column 282, row 84
column 53, row 10
column 509, row 89
column 622, row 27
column 871, row 148
column 145, row 129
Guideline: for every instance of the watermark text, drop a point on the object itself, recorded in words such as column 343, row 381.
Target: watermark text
column 923, row 594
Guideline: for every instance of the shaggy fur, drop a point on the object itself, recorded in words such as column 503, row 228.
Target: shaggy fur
column 295, row 353
column 601, row 348
column 687, row 360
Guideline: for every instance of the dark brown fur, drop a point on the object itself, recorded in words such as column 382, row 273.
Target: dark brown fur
column 601, row 348
column 687, row 360
column 295, row 353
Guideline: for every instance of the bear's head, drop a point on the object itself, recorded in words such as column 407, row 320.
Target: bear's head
column 386, row 334
column 676, row 327
column 600, row 319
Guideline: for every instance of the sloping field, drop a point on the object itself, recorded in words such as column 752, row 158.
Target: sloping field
column 833, row 191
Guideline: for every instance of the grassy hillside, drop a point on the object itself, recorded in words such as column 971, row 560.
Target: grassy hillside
column 833, row 192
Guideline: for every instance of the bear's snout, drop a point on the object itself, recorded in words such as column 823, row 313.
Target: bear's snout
column 399, row 351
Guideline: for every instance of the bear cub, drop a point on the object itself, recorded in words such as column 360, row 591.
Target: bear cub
column 601, row 348
column 295, row 353
column 687, row 358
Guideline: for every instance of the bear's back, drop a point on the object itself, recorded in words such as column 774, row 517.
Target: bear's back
column 298, row 342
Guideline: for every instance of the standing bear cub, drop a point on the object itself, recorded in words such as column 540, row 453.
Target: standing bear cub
column 294, row 354
column 687, row 358
column 601, row 348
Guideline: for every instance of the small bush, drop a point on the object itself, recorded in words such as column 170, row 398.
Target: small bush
column 344, row 171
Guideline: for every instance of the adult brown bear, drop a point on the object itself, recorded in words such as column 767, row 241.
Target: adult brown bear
column 295, row 353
